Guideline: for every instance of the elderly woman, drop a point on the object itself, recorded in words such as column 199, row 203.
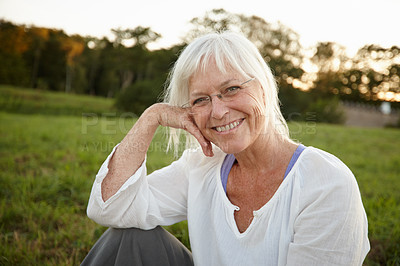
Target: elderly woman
column 250, row 194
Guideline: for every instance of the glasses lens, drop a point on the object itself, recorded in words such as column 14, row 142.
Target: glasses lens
column 227, row 95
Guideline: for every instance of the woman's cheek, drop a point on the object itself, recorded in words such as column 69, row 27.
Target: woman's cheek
column 201, row 124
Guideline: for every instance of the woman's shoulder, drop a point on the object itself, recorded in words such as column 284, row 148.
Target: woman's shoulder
column 316, row 155
column 317, row 167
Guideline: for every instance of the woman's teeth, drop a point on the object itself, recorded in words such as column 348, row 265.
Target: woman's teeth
column 227, row 127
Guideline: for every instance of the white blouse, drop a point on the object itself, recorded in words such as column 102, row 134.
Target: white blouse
column 316, row 217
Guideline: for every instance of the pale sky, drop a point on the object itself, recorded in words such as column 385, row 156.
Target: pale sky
column 352, row 23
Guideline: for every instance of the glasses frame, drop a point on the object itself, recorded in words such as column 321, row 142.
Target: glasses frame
column 219, row 95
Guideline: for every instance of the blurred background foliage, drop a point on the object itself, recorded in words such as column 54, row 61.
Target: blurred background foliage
column 47, row 156
column 315, row 79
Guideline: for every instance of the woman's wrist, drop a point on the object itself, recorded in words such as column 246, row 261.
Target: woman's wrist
column 160, row 114
column 153, row 114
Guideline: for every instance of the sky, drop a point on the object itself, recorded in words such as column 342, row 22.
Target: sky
column 351, row 23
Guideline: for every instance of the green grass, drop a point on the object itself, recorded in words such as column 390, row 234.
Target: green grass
column 48, row 163
column 26, row 101
column 47, row 167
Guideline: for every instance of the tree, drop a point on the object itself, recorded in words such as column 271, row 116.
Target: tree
column 37, row 38
column 73, row 47
column 13, row 44
column 330, row 58
column 147, row 91
column 132, row 60
column 52, row 68
column 276, row 42
column 380, row 72
column 371, row 75
column 105, row 80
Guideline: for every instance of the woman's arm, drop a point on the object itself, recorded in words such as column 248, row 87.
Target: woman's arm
column 331, row 226
column 132, row 150
column 143, row 201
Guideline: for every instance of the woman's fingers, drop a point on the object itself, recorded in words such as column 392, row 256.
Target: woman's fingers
column 205, row 144
column 177, row 117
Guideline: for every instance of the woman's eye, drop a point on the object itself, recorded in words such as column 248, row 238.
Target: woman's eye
column 232, row 89
column 201, row 100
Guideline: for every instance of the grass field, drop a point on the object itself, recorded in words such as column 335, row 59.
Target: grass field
column 49, row 157
column 18, row 100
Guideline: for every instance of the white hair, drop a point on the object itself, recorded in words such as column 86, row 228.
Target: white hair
column 228, row 49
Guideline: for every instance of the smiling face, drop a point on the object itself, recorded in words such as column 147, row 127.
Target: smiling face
column 233, row 125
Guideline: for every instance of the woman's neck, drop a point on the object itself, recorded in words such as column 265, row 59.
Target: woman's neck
column 267, row 154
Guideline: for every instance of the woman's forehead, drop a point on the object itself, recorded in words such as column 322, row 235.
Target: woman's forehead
column 214, row 76
column 212, row 81
column 202, row 88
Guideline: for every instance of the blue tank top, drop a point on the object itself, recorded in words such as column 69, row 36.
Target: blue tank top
column 230, row 160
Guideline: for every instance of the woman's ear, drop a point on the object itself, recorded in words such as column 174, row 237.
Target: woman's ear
column 263, row 96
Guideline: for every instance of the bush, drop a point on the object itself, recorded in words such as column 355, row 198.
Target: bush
column 137, row 97
column 327, row 110
column 312, row 106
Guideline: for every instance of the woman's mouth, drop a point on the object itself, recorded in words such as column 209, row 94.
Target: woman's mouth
column 228, row 127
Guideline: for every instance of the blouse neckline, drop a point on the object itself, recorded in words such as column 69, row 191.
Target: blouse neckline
column 230, row 159
column 228, row 204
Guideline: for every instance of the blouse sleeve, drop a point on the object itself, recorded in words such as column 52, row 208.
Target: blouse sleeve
column 331, row 226
column 144, row 201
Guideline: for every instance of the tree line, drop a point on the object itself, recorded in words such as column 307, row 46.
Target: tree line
column 125, row 69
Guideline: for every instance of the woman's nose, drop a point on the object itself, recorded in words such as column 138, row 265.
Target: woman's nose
column 218, row 108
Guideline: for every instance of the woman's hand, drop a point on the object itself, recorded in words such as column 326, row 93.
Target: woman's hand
column 132, row 150
column 182, row 118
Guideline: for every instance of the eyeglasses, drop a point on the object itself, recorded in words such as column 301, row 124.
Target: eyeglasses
column 228, row 94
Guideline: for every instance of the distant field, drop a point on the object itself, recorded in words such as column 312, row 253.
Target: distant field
column 25, row 101
column 48, row 163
